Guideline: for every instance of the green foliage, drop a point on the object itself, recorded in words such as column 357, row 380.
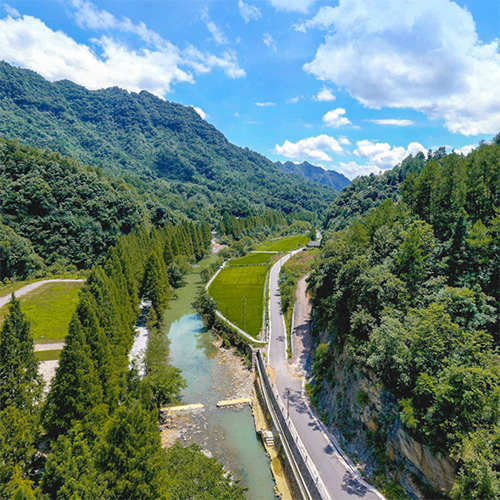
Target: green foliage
column 20, row 383
column 205, row 307
column 130, row 456
column 194, row 476
column 163, row 379
column 155, row 283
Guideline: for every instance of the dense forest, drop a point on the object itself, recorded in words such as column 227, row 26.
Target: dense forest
column 367, row 192
column 95, row 435
column 158, row 146
column 410, row 293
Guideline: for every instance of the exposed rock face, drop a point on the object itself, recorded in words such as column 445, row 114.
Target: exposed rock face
column 365, row 418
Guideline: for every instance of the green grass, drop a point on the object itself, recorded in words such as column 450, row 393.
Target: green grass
column 48, row 355
column 231, row 286
column 284, row 244
column 252, row 258
column 49, row 309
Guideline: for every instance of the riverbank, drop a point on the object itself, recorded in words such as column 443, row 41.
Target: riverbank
column 214, row 373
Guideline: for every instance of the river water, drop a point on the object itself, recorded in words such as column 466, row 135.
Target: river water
column 212, row 376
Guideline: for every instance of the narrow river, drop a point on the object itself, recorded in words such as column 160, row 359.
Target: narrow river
column 211, row 376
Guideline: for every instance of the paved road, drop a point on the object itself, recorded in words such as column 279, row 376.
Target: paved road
column 32, row 286
column 339, row 478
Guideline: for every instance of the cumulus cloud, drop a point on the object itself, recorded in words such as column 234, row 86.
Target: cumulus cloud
column 265, row 104
column 201, row 112
column 218, row 35
column 249, row 12
column 382, row 155
column 269, row 41
column 424, row 55
column 293, row 100
column 335, row 119
column 312, row 148
column 29, row 43
column 344, row 140
column 353, row 169
column 292, row 5
column 391, row 121
column 325, row 95
column 465, row 150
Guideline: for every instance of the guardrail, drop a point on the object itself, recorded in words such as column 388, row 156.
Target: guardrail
column 307, row 476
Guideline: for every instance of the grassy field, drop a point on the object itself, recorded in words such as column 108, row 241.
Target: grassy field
column 252, row 258
column 284, row 244
column 231, row 286
column 48, row 355
column 49, row 309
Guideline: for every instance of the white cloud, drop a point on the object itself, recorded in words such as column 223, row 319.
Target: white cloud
column 391, row 121
column 217, row 34
column 293, row 100
column 249, row 12
column 265, row 104
column 29, row 43
column 335, row 119
column 201, row 112
column 269, row 41
column 312, row 148
column 353, row 169
column 324, row 95
column 344, row 140
column 424, row 55
column 465, row 150
column 11, row 11
column 382, row 155
column 292, row 5
column 87, row 15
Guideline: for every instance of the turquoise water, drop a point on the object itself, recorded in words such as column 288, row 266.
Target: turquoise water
column 227, row 433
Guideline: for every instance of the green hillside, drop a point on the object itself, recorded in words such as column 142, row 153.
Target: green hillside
column 145, row 138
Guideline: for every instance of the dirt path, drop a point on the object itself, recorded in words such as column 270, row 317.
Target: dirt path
column 33, row 286
column 301, row 335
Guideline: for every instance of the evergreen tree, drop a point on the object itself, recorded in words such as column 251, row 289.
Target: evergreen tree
column 155, row 286
column 76, row 389
column 71, row 472
column 130, row 454
column 20, row 383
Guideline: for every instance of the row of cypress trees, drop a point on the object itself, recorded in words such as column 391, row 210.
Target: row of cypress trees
column 95, row 435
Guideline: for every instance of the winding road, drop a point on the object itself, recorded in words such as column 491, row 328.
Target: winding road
column 339, row 476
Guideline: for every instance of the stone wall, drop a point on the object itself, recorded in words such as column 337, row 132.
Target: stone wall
column 364, row 416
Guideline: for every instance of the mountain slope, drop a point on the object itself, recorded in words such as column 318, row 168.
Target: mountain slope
column 314, row 173
column 146, row 138
column 370, row 191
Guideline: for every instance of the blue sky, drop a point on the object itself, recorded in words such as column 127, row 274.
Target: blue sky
column 352, row 85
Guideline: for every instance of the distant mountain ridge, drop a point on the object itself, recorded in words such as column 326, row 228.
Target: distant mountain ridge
column 152, row 143
column 329, row 178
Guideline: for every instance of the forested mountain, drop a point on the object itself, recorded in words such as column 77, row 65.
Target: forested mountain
column 329, row 178
column 146, row 139
column 409, row 293
column 369, row 191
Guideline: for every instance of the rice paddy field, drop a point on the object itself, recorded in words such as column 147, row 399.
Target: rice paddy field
column 232, row 286
column 252, row 259
column 284, row 244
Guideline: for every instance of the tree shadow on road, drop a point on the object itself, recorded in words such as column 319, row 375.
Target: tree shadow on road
column 353, row 486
